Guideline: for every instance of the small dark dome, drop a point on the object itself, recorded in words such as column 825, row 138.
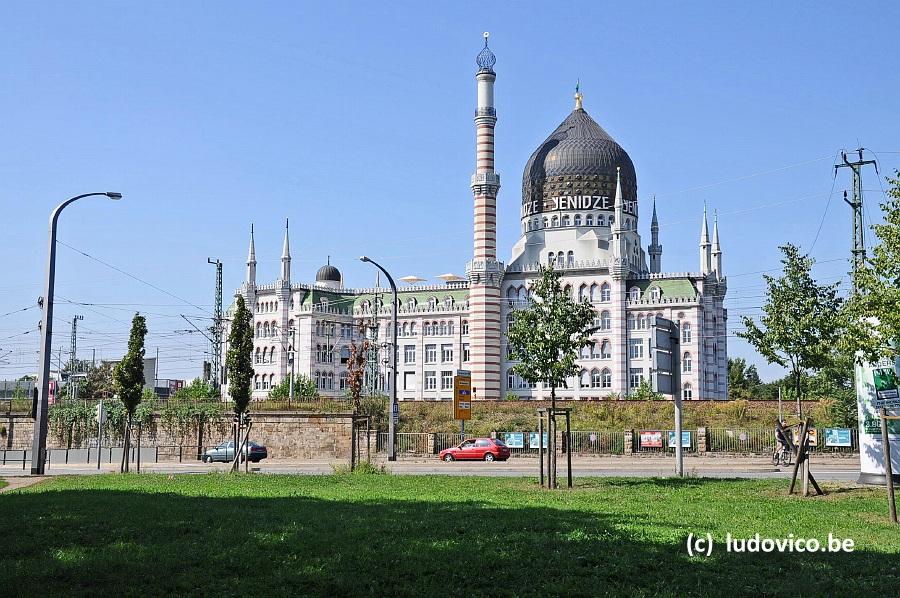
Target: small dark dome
column 328, row 273
column 579, row 157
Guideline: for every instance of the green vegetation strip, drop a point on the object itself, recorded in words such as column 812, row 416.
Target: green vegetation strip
column 432, row 535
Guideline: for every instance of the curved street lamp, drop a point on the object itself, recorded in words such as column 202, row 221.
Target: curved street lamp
column 39, row 441
column 392, row 444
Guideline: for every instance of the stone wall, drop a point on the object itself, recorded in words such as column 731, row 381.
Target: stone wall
column 285, row 435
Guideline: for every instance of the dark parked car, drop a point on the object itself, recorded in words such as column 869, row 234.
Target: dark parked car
column 479, row 449
column 225, row 452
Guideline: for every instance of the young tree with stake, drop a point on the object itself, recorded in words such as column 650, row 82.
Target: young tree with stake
column 545, row 339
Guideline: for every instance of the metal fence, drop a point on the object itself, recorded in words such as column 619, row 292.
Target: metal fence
column 762, row 441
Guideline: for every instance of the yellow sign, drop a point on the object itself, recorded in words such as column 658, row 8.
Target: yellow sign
column 462, row 397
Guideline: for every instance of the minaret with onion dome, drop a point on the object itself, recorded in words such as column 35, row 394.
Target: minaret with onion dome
column 484, row 271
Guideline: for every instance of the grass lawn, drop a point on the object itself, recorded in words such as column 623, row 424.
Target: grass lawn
column 405, row 535
column 3, row 484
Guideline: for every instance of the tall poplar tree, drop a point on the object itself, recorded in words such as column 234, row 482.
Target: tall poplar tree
column 128, row 380
column 800, row 321
column 239, row 362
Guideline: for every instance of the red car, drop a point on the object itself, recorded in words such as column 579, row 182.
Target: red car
column 479, row 449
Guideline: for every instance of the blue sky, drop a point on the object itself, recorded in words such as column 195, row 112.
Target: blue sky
column 355, row 120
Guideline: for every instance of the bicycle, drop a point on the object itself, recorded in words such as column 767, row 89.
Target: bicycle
column 782, row 455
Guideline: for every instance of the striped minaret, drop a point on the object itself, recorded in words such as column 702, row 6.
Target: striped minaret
column 484, row 271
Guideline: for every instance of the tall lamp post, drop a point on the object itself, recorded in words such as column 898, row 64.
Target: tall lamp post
column 392, row 445
column 39, row 443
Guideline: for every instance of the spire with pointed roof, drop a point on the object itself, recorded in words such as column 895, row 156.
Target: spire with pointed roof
column 578, row 96
column 705, row 257
column 286, row 254
column 251, row 260
column 620, row 254
column 655, row 249
column 716, row 253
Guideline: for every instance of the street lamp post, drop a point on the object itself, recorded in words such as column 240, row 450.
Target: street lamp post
column 392, row 445
column 39, row 442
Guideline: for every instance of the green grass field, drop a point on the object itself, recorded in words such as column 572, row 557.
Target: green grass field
column 405, row 535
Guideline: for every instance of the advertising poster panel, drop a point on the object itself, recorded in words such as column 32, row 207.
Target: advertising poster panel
column 876, row 387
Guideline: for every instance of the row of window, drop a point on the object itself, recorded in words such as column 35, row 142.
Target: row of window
column 576, row 220
column 412, row 303
column 431, row 353
column 431, row 380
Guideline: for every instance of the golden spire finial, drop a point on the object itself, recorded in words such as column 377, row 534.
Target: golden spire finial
column 578, row 95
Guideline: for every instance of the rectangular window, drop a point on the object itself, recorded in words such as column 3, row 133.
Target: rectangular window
column 447, row 380
column 636, row 348
column 430, row 380
column 409, row 380
column 446, row 353
column 635, row 376
column 409, row 354
column 430, row 353
column 465, row 350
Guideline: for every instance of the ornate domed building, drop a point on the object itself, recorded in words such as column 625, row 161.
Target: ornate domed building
column 579, row 213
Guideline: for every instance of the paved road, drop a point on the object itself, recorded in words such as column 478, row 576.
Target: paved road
column 826, row 469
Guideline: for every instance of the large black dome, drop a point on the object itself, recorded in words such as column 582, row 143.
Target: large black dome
column 328, row 273
column 578, row 158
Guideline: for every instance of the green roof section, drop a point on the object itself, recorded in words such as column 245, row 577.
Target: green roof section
column 669, row 287
column 421, row 297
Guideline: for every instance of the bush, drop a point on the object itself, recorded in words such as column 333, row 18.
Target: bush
column 304, row 389
column 362, row 468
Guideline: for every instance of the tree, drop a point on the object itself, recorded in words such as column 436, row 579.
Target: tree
column 356, row 368
column 304, row 389
column 239, row 362
column 800, row 319
column 128, row 378
column 743, row 380
column 873, row 314
column 545, row 338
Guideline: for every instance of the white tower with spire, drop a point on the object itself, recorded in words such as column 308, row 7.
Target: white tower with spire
column 286, row 254
column 705, row 256
column 716, row 253
column 619, row 249
column 250, row 280
column 655, row 249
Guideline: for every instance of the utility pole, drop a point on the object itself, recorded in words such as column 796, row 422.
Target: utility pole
column 859, row 242
column 217, row 327
column 74, row 341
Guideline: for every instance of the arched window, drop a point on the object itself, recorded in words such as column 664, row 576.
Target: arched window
column 630, row 321
column 256, row 356
column 634, row 294
column 323, row 302
column 465, row 327
column 258, row 328
column 554, row 221
column 654, row 294
column 256, row 382
column 605, row 350
column 560, row 259
column 443, row 328
column 318, row 380
column 686, row 332
column 266, row 329
column 595, row 351
column 589, row 220
column 577, row 219
column 612, row 219
column 582, row 292
column 450, row 327
column 584, row 379
column 605, row 378
column 551, row 258
column 545, row 222
column 568, row 290
column 412, row 329
column 686, row 392
column 510, row 379
column 605, row 320
column 510, row 316
column 605, row 292
column 686, row 362
column 565, row 220
column 535, row 224
column 595, row 292
column 511, row 294
column 596, row 378
column 365, row 306
column 448, row 302
column 586, row 352
column 570, row 259
column 343, row 381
